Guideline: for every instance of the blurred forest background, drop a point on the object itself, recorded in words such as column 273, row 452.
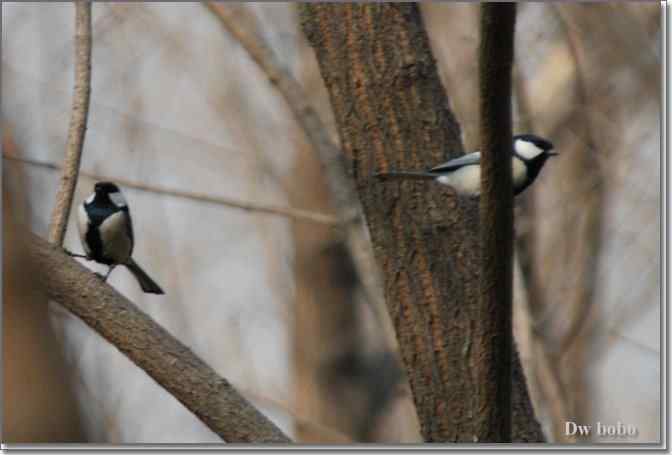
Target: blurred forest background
column 177, row 103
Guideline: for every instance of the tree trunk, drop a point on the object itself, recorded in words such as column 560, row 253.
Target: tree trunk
column 492, row 352
column 392, row 113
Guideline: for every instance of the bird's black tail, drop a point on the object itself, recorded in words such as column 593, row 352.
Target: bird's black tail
column 412, row 175
column 146, row 283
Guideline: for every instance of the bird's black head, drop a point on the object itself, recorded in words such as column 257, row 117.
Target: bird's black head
column 530, row 147
column 533, row 151
column 107, row 194
column 104, row 188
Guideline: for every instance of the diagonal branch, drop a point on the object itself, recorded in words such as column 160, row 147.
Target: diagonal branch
column 78, row 120
column 170, row 363
column 342, row 191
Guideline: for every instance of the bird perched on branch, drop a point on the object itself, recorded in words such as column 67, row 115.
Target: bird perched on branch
column 463, row 174
column 106, row 232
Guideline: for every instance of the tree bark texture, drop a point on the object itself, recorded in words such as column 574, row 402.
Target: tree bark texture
column 170, row 363
column 492, row 347
column 78, row 120
column 392, row 113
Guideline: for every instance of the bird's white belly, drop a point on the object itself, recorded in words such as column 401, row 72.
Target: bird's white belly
column 465, row 180
column 114, row 235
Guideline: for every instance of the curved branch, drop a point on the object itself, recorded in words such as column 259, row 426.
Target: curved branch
column 493, row 348
column 170, row 363
column 78, row 120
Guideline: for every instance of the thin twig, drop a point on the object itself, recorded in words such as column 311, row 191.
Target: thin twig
column 342, row 191
column 78, row 120
column 288, row 212
column 170, row 363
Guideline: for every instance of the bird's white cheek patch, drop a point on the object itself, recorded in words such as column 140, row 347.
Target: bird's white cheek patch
column 118, row 199
column 527, row 149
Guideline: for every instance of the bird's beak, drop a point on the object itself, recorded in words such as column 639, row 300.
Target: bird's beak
column 552, row 153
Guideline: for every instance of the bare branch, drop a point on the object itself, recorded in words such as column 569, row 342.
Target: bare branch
column 343, row 195
column 78, row 120
column 287, row 212
column 170, row 363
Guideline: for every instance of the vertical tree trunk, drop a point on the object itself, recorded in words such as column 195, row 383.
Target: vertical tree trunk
column 348, row 376
column 392, row 113
column 492, row 353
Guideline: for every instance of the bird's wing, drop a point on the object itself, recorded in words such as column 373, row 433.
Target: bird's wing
column 129, row 225
column 83, row 227
column 466, row 160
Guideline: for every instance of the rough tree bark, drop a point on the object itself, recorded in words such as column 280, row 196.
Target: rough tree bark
column 392, row 113
column 171, row 364
column 492, row 347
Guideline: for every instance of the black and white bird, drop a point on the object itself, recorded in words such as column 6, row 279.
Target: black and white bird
column 106, row 232
column 463, row 174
